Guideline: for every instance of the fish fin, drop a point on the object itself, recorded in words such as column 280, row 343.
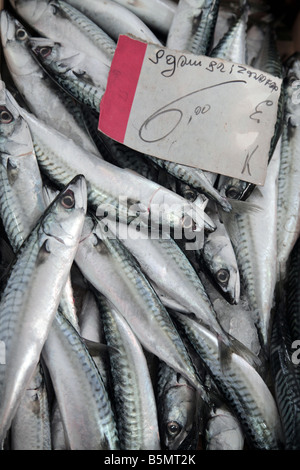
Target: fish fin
column 97, row 349
column 12, row 171
column 82, row 75
column 244, row 207
column 236, row 347
column 43, row 252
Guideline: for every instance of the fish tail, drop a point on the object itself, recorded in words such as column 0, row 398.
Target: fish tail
column 243, row 207
column 233, row 346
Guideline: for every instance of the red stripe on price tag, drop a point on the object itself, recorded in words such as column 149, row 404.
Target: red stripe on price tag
column 121, row 86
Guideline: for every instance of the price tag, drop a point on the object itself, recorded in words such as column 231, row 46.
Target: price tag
column 206, row 113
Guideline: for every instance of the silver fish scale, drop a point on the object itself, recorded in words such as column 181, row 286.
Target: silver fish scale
column 245, row 260
column 157, row 312
column 259, row 434
column 195, row 178
column 98, row 36
column 203, row 37
column 13, row 296
column 173, row 251
column 288, row 204
column 97, row 390
column 286, row 379
column 8, row 209
column 31, row 430
column 126, row 392
column 62, row 174
column 82, row 91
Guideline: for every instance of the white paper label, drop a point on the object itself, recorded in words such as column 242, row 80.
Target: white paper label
column 202, row 112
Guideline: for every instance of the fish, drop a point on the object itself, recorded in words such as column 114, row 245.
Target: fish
column 44, row 259
column 288, row 206
column 31, row 428
column 179, row 410
column 223, row 430
column 220, row 260
column 157, row 14
column 172, row 272
column 36, row 87
column 74, row 374
column 92, row 332
column 185, row 24
column 132, row 295
column 285, row 374
column 196, row 178
column 253, row 236
column 292, row 292
column 131, row 382
column 241, row 386
column 113, row 191
column 63, row 23
column 21, row 199
column 232, row 46
column 81, row 76
column 193, row 26
column 57, row 429
column 115, row 19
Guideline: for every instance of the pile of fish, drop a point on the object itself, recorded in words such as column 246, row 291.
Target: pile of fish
column 111, row 336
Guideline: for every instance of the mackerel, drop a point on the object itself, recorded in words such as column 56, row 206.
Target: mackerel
column 81, row 76
column 223, row 431
column 34, row 286
column 241, row 386
column 193, row 26
column 132, row 386
column 30, row 429
column 253, row 236
column 61, row 22
column 119, row 192
column 115, row 19
column 21, row 198
column 74, row 374
column 288, row 180
column 220, row 260
column 45, row 99
column 111, row 269
column 285, row 376
column 198, row 179
column 179, row 410
column 158, row 14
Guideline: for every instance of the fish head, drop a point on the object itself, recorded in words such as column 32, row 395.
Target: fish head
column 54, row 56
column 63, row 220
column 232, row 188
column 14, row 39
column 179, row 416
column 15, row 137
column 220, row 260
column 46, row 50
column 31, row 10
column 174, row 214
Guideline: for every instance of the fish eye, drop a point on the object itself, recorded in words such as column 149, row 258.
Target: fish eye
column 54, row 9
column 232, row 192
column 5, row 116
column 173, row 428
column 223, row 276
column 21, row 34
column 44, row 51
column 190, row 195
column 68, row 199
